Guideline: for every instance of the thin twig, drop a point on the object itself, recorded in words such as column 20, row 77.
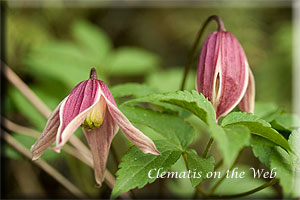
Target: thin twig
column 44, row 165
column 87, row 159
column 208, row 147
column 272, row 182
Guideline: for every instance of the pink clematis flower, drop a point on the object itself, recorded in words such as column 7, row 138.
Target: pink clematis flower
column 91, row 105
column 224, row 75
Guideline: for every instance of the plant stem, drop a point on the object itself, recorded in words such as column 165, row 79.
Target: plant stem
column 44, row 165
column 208, row 147
column 219, row 164
column 272, row 182
column 224, row 176
column 196, row 44
column 185, row 160
column 87, row 159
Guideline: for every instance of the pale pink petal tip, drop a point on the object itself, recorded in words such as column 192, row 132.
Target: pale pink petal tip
column 248, row 101
column 142, row 141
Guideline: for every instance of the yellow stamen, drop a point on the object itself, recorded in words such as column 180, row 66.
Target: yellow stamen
column 96, row 115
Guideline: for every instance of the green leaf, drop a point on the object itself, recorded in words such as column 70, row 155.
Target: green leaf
column 288, row 166
column 135, row 166
column 131, row 61
column 199, row 165
column 267, row 111
column 230, row 140
column 262, row 149
column 256, row 126
column 131, row 89
column 191, row 101
column 286, row 122
column 171, row 127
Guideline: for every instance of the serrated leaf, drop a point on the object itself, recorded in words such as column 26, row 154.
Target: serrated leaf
column 230, row 140
column 262, row 149
column 256, row 126
column 171, row 127
column 288, row 166
column 191, row 101
column 131, row 89
column 135, row 166
column 199, row 165
column 132, row 61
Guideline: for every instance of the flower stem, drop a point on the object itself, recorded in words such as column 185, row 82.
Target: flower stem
column 272, row 182
column 185, row 160
column 224, row 176
column 196, row 44
column 208, row 147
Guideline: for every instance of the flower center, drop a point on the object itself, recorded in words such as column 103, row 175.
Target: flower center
column 96, row 115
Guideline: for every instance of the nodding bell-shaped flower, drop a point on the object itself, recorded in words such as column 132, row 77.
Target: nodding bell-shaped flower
column 224, row 75
column 90, row 105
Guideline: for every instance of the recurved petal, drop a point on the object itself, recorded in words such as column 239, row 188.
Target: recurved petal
column 75, row 109
column 99, row 141
column 248, row 101
column 49, row 134
column 133, row 134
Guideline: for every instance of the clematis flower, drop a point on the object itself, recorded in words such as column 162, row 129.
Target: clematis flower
column 224, row 75
column 90, row 105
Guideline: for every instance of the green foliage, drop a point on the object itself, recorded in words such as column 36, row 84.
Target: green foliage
column 171, row 127
column 230, row 140
column 131, row 61
column 91, row 48
column 131, row 90
column 256, row 126
column 288, row 166
column 191, row 101
column 199, row 165
column 267, row 111
column 262, row 149
column 286, row 122
column 238, row 185
column 170, row 80
column 135, row 166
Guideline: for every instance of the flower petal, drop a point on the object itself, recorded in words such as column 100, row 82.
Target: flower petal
column 234, row 76
column 48, row 135
column 133, row 134
column 99, row 141
column 248, row 101
column 75, row 109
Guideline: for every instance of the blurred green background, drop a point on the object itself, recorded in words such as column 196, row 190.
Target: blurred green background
column 52, row 49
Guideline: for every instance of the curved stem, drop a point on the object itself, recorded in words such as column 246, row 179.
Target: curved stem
column 196, row 44
column 208, row 147
column 224, row 176
column 272, row 182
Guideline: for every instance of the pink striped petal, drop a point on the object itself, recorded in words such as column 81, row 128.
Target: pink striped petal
column 48, row 136
column 75, row 109
column 133, row 134
column 222, row 74
column 99, row 141
column 248, row 101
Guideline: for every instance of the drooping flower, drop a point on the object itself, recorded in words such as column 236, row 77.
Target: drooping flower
column 90, row 105
column 224, row 75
